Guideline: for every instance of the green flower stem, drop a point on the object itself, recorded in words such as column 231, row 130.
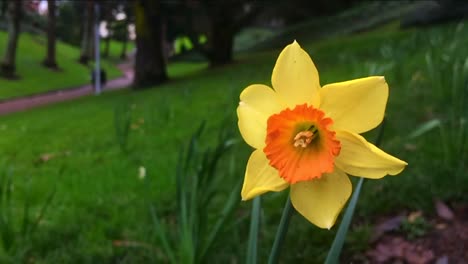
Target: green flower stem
column 253, row 233
column 281, row 233
column 335, row 250
column 333, row 256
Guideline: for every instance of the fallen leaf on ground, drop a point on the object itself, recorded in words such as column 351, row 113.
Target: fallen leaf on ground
column 390, row 224
column 395, row 248
column 442, row 260
column 414, row 215
column 410, row 147
column 443, row 211
column 46, row 157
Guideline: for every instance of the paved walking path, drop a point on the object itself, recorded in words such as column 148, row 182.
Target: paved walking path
column 27, row 102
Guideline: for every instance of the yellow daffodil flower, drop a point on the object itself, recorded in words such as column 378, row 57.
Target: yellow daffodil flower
column 306, row 137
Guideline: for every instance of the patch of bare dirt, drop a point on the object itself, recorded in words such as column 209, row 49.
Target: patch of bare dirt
column 418, row 239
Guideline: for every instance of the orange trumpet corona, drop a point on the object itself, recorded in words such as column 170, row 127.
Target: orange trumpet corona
column 300, row 144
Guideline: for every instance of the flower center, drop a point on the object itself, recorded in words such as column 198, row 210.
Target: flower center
column 300, row 145
column 303, row 139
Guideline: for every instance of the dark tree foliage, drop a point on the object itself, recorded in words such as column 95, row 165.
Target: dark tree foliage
column 220, row 21
column 70, row 17
column 3, row 8
column 298, row 10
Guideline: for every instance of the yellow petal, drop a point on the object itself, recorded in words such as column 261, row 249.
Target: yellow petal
column 361, row 158
column 357, row 105
column 258, row 102
column 295, row 77
column 260, row 177
column 320, row 201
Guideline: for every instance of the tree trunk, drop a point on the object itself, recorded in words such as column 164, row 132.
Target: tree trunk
column 220, row 21
column 8, row 67
column 86, row 40
column 123, row 53
column 150, row 68
column 50, row 60
column 105, row 54
column 222, row 44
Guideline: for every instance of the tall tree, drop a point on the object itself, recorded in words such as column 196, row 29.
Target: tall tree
column 87, row 31
column 219, row 21
column 150, row 68
column 108, row 9
column 107, row 41
column 123, row 28
column 70, row 17
column 50, row 60
column 8, row 65
column 123, row 52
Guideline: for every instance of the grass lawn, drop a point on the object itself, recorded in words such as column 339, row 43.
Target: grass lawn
column 34, row 78
column 100, row 199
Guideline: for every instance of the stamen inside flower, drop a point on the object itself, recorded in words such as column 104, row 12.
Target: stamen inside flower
column 303, row 139
column 300, row 144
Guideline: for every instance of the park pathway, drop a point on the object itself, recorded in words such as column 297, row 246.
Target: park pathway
column 27, row 102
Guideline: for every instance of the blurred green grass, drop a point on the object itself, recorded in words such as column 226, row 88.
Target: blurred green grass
column 100, row 198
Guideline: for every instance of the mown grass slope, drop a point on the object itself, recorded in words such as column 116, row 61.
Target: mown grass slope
column 35, row 78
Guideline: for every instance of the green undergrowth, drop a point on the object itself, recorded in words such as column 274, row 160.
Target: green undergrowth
column 99, row 214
